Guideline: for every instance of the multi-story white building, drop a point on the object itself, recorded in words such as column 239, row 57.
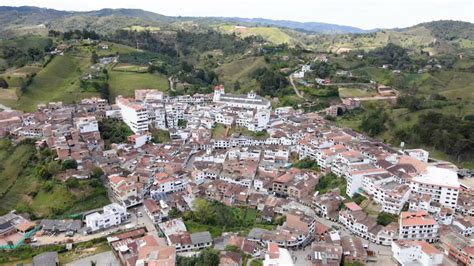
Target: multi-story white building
column 133, row 114
column 249, row 101
column 111, row 215
column 418, row 226
column 86, row 124
column 440, row 183
column 421, row 253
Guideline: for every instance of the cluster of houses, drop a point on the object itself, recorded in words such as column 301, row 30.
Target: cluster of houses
column 255, row 171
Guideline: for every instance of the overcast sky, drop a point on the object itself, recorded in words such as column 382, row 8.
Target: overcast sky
column 366, row 14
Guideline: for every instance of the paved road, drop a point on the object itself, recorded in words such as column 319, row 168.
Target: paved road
column 102, row 259
column 294, row 87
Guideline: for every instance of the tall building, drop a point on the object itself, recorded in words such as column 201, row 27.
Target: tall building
column 442, row 184
column 133, row 114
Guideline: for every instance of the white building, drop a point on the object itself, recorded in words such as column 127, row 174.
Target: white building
column 249, row 101
column 86, row 124
column 111, row 215
column 133, row 114
column 418, row 154
column 418, row 226
column 440, row 183
column 277, row 256
column 421, row 253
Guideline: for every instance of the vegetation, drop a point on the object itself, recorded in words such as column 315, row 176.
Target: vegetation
column 245, row 132
column 29, row 183
column 25, row 253
column 217, row 218
column 358, row 198
column 307, row 163
column 114, row 131
column 206, row 257
column 447, row 133
column 159, row 135
column 329, row 182
column 384, row 218
column 391, row 54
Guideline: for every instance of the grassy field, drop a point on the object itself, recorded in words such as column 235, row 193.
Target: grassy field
column 248, row 216
column 271, row 34
column 21, row 189
column 59, row 81
column 130, row 68
column 354, row 93
column 239, row 70
column 219, row 131
column 125, row 83
column 115, row 48
column 24, row 254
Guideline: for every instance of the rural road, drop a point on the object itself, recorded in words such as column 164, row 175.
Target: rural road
column 294, row 87
column 170, row 80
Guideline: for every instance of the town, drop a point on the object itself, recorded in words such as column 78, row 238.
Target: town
column 229, row 175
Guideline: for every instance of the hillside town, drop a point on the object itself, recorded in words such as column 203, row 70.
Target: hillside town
column 321, row 194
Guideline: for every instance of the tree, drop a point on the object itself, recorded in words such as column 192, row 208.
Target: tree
column 94, row 58
column 3, row 83
column 97, row 172
column 374, row 121
column 232, row 248
column 204, row 211
column 237, row 86
column 174, row 213
column 69, row 164
column 384, row 218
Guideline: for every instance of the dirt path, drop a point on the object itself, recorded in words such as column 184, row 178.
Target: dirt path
column 294, row 87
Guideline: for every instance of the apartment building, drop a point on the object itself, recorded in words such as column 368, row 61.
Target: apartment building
column 442, row 184
column 134, row 114
column 418, row 226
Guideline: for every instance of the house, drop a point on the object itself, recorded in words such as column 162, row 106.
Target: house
column 326, row 254
column 277, row 256
column 227, row 258
column 416, row 252
column 153, row 210
column 111, row 215
column 353, row 250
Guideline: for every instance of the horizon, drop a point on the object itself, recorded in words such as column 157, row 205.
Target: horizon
column 352, row 14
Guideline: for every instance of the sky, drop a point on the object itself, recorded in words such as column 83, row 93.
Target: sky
column 365, row 14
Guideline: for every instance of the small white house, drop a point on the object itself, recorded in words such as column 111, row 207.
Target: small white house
column 416, row 253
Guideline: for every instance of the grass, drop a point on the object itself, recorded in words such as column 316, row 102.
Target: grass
column 239, row 70
column 271, row 34
column 125, row 83
column 248, row 218
column 219, row 131
column 59, row 81
column 25, row 254
column 21, row 189
column 356, row 93
column 130, row 68
column 248, row 133
column 115, row 48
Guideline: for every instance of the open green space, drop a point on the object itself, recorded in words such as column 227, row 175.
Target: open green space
column 217, row 218
column 28, row 184
column 239, row 70
column 59, row 81
column 356, row 93
column 125, row 83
